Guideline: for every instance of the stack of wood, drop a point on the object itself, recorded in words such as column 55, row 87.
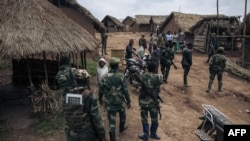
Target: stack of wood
column 46, row 102
column 237, row 70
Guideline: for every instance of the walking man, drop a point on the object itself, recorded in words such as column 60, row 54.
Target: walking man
column 167, row 56
column 148, row 104
column 104, row 39
column 84, row 122
column 186, row 62
column 114, row 87
column 217, row 65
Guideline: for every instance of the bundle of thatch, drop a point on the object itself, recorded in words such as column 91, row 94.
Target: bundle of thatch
column 46, row 102
column 237, row 70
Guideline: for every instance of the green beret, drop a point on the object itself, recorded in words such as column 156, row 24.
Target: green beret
column 114, row 60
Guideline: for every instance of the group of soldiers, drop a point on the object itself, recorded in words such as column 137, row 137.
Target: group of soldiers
column 84, row 120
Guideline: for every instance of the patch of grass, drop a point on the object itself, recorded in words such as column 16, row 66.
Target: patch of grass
column 91, row 67
column 49, row 126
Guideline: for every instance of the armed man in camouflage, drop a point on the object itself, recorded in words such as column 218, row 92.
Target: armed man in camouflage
column 167, row 56
column 114, row 88
column 83, row 120
column 150, row 104
column 217, row 65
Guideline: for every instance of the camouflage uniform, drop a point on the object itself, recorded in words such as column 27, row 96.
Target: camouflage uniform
column 83, row 119
column 217, row 65
column 148, row 105
column 167, row 56
column 114, row 88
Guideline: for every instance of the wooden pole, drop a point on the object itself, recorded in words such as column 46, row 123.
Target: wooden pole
column 244, row 35
column 217, row 17
column 45, row 68
column 29, row 74
column 85, row 61
column 82, row 59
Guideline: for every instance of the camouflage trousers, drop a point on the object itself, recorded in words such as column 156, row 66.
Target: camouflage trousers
column 213, row 73
column 153, row 114
column 112, row 118
column 165, row 71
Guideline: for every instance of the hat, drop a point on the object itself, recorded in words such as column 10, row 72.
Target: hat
column 221, row 48
column 102, row 60
column 114, row 60
column 213, row 34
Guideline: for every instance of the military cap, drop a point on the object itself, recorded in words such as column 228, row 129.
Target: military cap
column 114, row 60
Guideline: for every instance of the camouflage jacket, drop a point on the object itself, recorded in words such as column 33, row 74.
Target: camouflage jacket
column 153, row 81
column 217, row 62
column 167, row 56
column 85, row 120
column 114, row 88
column 67, row 77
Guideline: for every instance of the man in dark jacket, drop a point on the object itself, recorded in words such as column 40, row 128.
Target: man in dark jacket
column 167, row 56
column 129, row 49
column 155, row 56
column 186, row 62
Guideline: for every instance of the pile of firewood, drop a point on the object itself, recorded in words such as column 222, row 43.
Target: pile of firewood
column 46, row 102
column 237, row 70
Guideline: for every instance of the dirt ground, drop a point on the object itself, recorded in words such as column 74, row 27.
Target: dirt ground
column 180, row 110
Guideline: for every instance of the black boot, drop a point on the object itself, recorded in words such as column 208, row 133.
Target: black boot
column 153, row 130
column 112, row 136
column 123, row 127
column 145, row 134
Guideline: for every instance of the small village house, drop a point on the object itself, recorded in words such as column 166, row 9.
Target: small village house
column 80, row 15
column 128, row 24
column 112, row 24
column 180, row 21
column 147, row 23
column 224, row 26
column 34, row 37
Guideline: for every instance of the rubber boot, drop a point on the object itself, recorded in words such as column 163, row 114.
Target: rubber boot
column 112, row 136
column 153, row 130
column 123, row 127
column 145, row 134
column 209, row 86
column 219, row 86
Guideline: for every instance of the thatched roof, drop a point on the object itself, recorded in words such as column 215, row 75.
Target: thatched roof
column 128, row 18
column 113, row 19
column 83, row 11
column 34, row 26
column 208, row 19
column 183, row 20
column 145, row 19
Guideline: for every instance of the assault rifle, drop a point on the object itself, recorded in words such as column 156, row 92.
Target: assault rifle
column 145, row 90
column 175, row 67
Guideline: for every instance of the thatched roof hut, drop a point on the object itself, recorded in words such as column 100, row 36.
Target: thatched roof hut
column 147, row 23
column 178, row 20
column 33, row 28
column 80, row 15
column 128, row 24
column 112, row 24
column 226, row 27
